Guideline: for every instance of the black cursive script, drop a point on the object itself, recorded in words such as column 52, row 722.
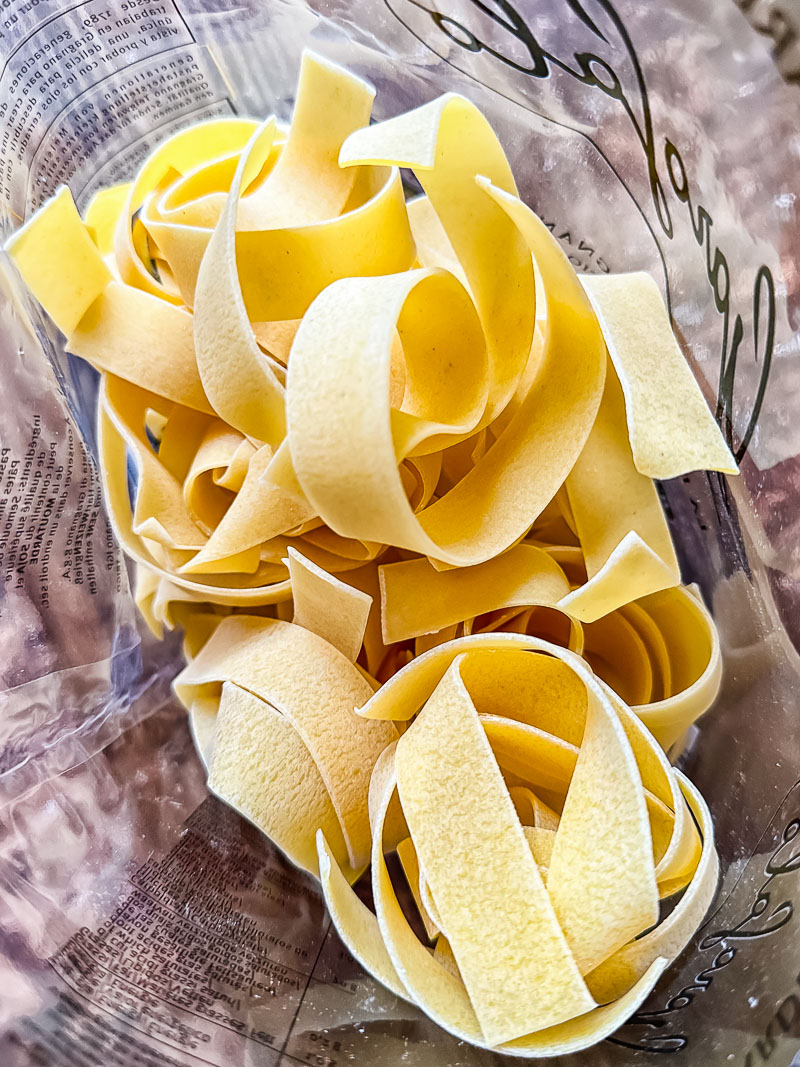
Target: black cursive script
column 784, row 1021
column 515, row 44
column 765, row 917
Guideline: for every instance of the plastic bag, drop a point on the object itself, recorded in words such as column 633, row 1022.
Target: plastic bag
column 142, row 923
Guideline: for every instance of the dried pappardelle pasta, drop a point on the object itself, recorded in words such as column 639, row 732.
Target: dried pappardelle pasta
column 541, row 896
column 395, row 456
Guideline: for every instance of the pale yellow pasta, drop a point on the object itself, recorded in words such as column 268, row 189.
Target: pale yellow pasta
column 600, row 852
column 416, row 599
column 394, row 464
column 617, row 517
column 315, row 688
column 671, row 427
column 256, row 267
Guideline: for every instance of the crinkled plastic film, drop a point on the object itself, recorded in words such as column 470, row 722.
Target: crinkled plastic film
column 635, row 162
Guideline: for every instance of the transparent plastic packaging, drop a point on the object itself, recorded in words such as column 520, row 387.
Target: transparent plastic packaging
column 142, row 923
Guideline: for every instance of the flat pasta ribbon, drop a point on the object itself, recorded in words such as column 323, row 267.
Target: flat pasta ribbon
column 660, row 653
column 541, row 823
column 275, row 683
